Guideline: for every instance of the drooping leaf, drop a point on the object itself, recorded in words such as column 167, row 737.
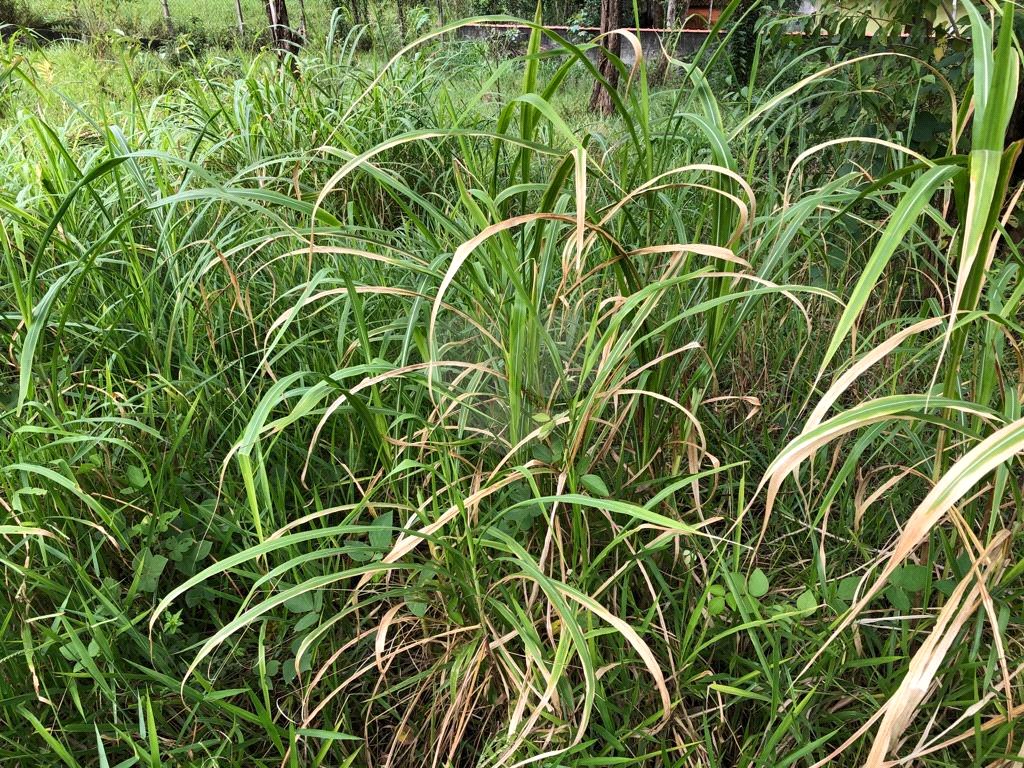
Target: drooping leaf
column 595, row 485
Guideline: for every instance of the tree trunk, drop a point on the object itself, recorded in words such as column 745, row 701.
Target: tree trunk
column 403, row 31
column 655, row 14
column 281, row 33
column 304, row 29
column 241, row 21
column 167, row 17
column 611, row 19
column 670, row 40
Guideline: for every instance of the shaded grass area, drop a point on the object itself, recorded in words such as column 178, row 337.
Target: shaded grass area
column 199, row 22
column 404, row 414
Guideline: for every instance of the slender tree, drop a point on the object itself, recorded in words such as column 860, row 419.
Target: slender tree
column 611, row 19
column 402, row 28
column 241, row 21
column 655, row 12
column 659, row 70
column 167, row 17
column 284, row 39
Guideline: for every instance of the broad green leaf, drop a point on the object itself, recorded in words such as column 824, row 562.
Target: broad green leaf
column 807, row 602
column 307, row 621
column 136, row 475
column 895, row 595
column 416, row 607
column 301, row 603
column 381, row 530
column 914, row 578
column 150, row 568
column 757, row 584
column 595, row 485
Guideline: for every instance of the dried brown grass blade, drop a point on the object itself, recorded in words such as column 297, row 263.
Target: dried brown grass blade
column 993, row 451
column 962, row 605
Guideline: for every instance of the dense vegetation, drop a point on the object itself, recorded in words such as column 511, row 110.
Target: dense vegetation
column 403, row 413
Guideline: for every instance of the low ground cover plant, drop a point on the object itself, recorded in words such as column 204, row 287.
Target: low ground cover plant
column 402, row 412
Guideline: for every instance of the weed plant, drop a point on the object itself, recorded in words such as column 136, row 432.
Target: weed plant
column 393, row 415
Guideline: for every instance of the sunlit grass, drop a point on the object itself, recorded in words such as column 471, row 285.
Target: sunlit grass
column 405, row 414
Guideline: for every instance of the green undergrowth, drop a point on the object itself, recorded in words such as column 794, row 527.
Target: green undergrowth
column 406, row 413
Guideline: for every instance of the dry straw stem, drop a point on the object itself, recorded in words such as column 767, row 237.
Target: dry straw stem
column 961, row 607
column 993, row 722
column 811, row 440
column 898, row 711
column 846, row 379
column 990, row 453
column 21, row 530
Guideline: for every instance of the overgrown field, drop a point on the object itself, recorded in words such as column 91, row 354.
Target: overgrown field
column 406, row 414
column 197, row 23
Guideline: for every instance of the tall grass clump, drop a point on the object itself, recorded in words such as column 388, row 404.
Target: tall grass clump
column 397, row 414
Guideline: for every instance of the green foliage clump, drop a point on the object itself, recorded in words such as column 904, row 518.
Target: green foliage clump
column 360, row 412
